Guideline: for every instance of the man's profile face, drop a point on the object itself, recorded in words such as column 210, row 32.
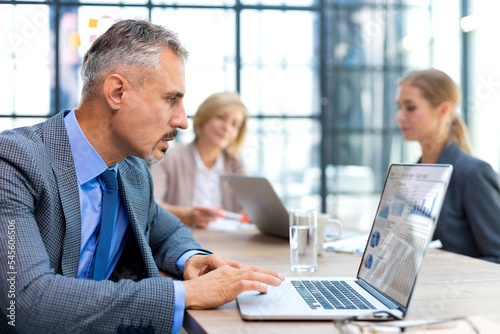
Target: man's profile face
column 151, row 114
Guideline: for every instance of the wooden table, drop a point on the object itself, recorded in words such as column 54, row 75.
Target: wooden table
column 450, row 285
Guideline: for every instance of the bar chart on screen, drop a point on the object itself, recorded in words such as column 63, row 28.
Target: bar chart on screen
column 423, row 210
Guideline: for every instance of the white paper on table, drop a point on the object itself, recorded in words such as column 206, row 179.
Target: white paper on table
column 229, row 225
column 348, row 245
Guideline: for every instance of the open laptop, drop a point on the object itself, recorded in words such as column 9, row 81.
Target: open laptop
column 261, row 204
column 402, row 229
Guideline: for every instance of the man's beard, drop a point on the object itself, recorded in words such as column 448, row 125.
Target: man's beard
column 150, row 158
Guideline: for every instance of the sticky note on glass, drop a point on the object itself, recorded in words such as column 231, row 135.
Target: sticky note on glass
column 74, row 40
column 93, row 23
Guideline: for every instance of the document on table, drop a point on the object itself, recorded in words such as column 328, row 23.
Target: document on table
column 228, row 225
column 353, row 244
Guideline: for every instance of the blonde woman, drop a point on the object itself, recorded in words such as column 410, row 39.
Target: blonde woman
column 188, row 183
column 469, row 223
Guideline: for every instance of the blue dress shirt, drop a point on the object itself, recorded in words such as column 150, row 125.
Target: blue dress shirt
column 88, row 166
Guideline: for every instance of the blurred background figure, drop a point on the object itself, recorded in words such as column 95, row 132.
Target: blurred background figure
column 469, row 223
column 188, row 182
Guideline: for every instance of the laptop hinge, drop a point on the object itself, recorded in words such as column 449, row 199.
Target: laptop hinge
column 383, row 299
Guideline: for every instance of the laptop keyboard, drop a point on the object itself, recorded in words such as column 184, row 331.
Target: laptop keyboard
column 331, row 295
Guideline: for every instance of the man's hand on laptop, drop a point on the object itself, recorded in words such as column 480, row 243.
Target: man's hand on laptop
column 211, row 280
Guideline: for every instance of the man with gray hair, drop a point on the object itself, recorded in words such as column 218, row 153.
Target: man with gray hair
column 82, row 233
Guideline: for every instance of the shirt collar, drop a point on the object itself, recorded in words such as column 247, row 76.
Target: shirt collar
column 217, row 167
column 88, row 163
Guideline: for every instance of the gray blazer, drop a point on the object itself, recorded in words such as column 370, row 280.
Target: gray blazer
column 39, row 197
column 469, row 223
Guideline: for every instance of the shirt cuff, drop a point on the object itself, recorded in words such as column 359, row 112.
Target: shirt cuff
column 180, row 291
column 180, row 303
column 184, row 257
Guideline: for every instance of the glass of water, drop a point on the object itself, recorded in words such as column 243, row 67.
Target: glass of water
column 303, row 240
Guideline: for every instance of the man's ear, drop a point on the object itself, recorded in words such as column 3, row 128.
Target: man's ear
column 114, row 86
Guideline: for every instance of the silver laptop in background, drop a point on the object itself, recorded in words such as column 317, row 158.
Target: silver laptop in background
column 403, row 226
column 261, row 204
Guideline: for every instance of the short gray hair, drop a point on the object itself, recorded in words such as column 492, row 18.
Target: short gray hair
column 128, row 43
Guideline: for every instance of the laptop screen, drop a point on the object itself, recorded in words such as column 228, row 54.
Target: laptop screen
column 404, row 224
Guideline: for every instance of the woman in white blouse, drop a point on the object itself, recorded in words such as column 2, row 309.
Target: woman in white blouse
column 188, row 182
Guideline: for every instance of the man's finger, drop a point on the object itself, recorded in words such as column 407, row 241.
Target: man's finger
column 269, row 272
column 261, row 277
column 235, row 264
column 224, row 284
column 240, row 265
column 251, row 286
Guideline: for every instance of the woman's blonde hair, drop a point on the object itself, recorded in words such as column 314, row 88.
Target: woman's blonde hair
column 212, row 106
column 437, row 87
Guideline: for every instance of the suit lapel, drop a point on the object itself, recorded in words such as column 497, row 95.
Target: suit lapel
column 449, row 153
column 57, row 144
column 137, row 214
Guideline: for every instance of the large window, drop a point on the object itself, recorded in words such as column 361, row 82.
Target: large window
column 267, row 50
column 363, row 58
column 26, row 59
column 318, row 78
column 481, row 25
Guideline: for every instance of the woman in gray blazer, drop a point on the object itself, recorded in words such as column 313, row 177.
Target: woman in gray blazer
column 188, row 182
column 469, row 222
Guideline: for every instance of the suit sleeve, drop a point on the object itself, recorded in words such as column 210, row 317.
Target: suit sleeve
column 46, row 301
column 482, row 207
column 169, row 239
